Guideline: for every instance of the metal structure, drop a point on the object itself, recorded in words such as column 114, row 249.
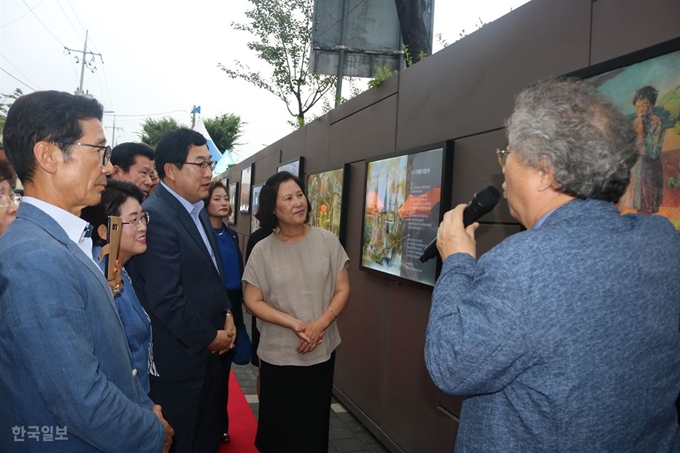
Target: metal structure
column 354, row 37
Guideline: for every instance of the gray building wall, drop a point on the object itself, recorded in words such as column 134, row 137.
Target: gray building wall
column 463, row 93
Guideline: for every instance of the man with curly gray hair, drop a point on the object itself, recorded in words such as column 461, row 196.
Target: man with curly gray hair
column 564, row 337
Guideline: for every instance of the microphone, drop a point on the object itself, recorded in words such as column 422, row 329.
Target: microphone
column 482, row 203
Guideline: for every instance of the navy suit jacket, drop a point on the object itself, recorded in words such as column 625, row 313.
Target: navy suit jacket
column 180, row 288
column 64, row 358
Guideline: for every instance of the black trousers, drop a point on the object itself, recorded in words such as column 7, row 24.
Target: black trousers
column 192, row 408
column 295, row 404
column 225, row 363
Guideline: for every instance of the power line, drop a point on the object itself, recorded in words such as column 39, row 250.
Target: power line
column 156, row 114
column 23, row 15
column 41, row 23
column 19, row 71
column 106, row 82
column 75, row 14
column 69, row 20
column 23, row 83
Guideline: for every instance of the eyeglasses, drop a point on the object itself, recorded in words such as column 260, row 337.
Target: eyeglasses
column 107, row 149
column 502, row 155
column 204, row 165
column 142, row 220
column 13, row 197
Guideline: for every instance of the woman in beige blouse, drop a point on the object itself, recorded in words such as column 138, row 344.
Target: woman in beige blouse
column 296, row 284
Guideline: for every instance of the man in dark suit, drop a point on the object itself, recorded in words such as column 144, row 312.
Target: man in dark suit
column 179, row 283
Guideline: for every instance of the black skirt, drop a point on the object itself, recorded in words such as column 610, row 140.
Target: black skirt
column 295, row 404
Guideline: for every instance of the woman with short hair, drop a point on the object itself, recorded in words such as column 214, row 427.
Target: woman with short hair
column 123, row 199
column 296, row 283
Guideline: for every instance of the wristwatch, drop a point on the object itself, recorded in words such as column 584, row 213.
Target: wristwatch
column 228, row 313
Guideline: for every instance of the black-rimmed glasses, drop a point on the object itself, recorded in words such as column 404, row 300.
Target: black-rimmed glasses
column 106, row 148
column 204, row 165
column 5, row 200
column 502, row 155
column 141, row 220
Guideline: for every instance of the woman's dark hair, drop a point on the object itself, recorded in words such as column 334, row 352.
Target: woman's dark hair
column 116, row 193
column 269, row 194
column 6, row 173
column 214, row 185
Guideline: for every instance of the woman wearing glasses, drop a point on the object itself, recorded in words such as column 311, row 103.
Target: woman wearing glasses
column 123, row 199
column 9, row 201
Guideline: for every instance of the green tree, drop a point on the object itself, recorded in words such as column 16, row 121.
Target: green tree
column 225, row 130
column 153, row 129
column 282, row 32
column 6, row 101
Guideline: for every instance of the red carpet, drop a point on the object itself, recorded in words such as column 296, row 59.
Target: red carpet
column 242, row 423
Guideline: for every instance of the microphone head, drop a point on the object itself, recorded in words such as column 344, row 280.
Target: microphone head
column 488, row 198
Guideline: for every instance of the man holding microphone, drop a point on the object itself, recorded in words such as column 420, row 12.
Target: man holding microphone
column 565, row 337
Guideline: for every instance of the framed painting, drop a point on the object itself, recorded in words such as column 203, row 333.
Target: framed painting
column 255, row 205
column 645, row 86
column 233, row 200
column 244, row 197
column 294, row 166
column 405, row 198
column 327, row 193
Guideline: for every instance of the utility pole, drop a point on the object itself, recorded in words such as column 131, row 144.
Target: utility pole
column 113, row 128
column 84, row 62
column 196, row 109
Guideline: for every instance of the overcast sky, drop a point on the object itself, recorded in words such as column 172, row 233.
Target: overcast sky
column 161, row 56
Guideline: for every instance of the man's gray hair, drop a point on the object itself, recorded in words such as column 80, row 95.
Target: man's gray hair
column 587, row 141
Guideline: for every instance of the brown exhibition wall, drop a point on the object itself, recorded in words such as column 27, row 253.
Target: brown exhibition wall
column 463, row 93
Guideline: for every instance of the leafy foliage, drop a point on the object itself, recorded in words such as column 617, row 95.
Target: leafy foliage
column 225, row 130
column 282, row 32
column 6, row 101
column 153, row 129
column 382, row 73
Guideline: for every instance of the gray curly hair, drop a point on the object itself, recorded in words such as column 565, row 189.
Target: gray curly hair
column 587, row 141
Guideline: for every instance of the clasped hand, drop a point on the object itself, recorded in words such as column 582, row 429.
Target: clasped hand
column 224, row 340
column 310, row 334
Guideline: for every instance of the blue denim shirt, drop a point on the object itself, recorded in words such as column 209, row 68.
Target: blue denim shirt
column 136, row 323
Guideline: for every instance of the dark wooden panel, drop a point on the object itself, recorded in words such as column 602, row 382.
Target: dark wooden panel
column 367, row 133
column 624, row 26
column 265, row 168
column 475, row 166
column 410, row 398
column 317, row 144
column 360, row 360
column 292, row 145
column 447, row 428
column 469, row 87
column 367, row 98
column 451, row 403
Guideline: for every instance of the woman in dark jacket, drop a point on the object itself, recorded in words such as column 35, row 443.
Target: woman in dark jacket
column 219, row 208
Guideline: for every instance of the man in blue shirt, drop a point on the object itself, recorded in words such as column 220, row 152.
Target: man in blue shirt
column 67, row 382
column 565, row 337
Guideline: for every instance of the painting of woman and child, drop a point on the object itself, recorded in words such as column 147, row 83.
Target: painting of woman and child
column 648, row 92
